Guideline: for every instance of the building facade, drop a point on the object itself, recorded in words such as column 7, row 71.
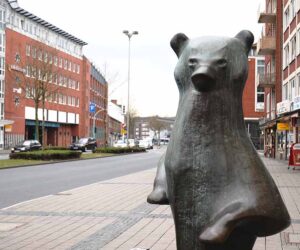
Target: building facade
column 115, row 122
column 253, row 98
column 95, row 105
column 44, row 75
column 270, row 46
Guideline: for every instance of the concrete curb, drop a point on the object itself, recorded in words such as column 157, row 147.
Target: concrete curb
column 54, row 162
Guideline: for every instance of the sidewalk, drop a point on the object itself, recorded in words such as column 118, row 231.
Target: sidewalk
column 113, row 214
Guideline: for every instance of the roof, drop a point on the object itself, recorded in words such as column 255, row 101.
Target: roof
column 14, row 5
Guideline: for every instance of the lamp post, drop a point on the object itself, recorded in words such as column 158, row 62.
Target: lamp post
column 129, row 35
column 94, row 121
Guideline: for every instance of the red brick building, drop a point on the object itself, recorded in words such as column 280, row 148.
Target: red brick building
column 33, row 52
column 270, row 46
column 253, row 99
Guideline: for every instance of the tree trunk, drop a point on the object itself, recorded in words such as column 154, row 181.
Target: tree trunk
column 36, row 136
column 43, row 122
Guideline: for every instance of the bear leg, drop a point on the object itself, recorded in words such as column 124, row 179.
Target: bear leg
column 159, row 193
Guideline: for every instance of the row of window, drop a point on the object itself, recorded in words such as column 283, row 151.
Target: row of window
column 290, row 12
column 50, row 77
column 55, row 97
column 291, row 89
column 44, row 34
column 292, row 49
column 98, row 88
column 1, row 110
column 1, row 88
column 47, row 57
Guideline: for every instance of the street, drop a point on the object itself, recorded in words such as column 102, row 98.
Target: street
column 25, row 183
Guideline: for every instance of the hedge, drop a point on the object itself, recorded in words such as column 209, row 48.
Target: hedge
column 46, row 155
column 114, row 150
column 55, row 148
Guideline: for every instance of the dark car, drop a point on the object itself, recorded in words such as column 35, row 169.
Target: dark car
column 84, row 144
column 26, row 145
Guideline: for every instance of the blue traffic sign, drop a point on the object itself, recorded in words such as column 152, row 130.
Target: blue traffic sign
column 92, row 107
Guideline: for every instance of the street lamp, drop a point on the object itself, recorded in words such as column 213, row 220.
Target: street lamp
column 94, row 121
column 129, row 35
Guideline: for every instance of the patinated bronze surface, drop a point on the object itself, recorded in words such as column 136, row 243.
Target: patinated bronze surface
column 221, row 195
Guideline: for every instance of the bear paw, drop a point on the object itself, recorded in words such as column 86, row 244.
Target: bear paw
column 158, row 196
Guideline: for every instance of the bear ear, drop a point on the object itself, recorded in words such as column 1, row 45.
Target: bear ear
column 177, row 43
column 247, row 38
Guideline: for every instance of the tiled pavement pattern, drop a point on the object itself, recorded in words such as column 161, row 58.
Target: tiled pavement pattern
column 114, row 215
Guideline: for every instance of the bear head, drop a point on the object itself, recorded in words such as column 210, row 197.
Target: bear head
column 212, row 63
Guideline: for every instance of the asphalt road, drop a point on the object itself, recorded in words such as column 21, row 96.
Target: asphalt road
column 25, row 183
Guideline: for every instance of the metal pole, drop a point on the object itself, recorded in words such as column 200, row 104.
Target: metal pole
column 128, row 101
column 129, row 35
column 94, row 120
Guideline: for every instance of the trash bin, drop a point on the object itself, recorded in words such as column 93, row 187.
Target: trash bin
column 294, row 159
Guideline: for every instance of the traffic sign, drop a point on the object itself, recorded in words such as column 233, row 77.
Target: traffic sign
column 92, row 107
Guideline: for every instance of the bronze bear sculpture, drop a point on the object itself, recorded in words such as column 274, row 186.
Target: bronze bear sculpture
column 221, row 195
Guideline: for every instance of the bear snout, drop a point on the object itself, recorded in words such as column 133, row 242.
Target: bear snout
column 203, row 81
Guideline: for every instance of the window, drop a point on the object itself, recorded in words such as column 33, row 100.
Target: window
column 33, row 72
column 1, row 111
column 54, row 78
column 70, row 66
column 77, row 85
column 2, row 19
column 50, row 77
column 60, row 80
column 286, row 19
column 293, row 9
column 1, row 88
column 28, row 71
column 60, row 62
column 55, row 60
column 45, row 57
column 293, row 89
column 50, row 58
column 78, row 69
column 27, row 50
column 77, row 102
column 297, row 42
column 285, row 92
column 298, row 85
column 33, row 52
column 40, row 55
column 286, row 59
column 2, row 42
column 2, row 65
column 293, row 48
column 66, row 64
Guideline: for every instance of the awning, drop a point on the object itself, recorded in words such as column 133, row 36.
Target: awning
column 6, row 122
column 47, row 124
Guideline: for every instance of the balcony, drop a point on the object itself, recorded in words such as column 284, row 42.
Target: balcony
column 265, row 17
column 266, row 45
column 266, row 80
column 268, row 15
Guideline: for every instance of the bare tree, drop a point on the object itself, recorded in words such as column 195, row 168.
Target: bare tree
column 37, row 77
column 157, row 125
column 132, row 115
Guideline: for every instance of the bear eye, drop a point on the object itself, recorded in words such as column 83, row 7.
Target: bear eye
column 222, row 63
column 192, row 62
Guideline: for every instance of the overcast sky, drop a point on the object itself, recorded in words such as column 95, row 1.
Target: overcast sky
column 100, row 23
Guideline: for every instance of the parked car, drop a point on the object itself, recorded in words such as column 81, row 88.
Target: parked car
column 147, row 144
column 84, row 144
column 26, row 145
column 120, row 144
column 123, row 143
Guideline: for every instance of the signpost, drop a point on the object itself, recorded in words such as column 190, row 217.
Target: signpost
column 92, row 107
